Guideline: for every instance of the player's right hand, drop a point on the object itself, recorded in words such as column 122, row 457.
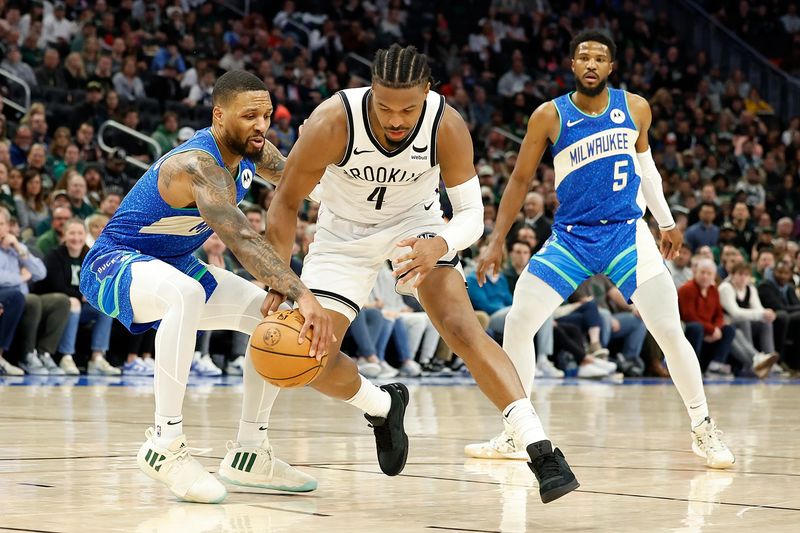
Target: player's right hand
column 490, row 260
column 319, row 321
column 272, row 302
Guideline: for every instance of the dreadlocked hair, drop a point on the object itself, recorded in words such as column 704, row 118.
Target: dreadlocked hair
column 400, row 68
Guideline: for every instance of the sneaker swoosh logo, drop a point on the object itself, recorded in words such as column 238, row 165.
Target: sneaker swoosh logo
column 571, row 123
column 420, row 150
column 359, row 152
column 170, row 423
column 427, row 207
column 262, row 428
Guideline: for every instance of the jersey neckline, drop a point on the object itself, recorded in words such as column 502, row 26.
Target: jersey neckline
column 587, row 115
column 375, row 142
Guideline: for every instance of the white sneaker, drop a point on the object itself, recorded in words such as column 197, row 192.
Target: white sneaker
column 387, row 370
column 411, row 369
column 179, row 471
column 9, row 369
column 258, row 467
column 100, row 367
column 707, row 443
column 67, row 364
column 367, row 369
column 235, row 367
column 591, row 371
column 31, row 364
column 51, row 366
column 605, row 364
column 149, row 362
column 548, row 369
column 204, row 367
column 763, row 363
column 503, row 446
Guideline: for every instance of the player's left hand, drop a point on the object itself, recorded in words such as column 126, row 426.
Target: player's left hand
column 671, row 241
column 272, row 302
column 421, row 259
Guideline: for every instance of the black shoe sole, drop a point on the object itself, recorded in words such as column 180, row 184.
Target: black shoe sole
column 556, row 493
column 404, row 394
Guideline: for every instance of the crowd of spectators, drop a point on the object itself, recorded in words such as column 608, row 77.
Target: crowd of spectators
column 730, row 167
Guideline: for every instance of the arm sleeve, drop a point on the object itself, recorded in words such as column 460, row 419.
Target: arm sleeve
column 466, row 226
column 653, row 191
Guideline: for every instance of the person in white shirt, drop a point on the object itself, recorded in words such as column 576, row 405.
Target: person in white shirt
column 58, row 30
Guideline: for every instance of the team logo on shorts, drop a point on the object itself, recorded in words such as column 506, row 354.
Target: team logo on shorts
column 271, row 337
column 247, row 178
column 617, row 116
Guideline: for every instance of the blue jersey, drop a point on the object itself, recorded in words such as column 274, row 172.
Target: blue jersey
column 146, row 223
column 145, row 228
column 597, row 172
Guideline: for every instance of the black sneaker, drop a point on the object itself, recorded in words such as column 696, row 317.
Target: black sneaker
column 552, row 471
column 390, row 437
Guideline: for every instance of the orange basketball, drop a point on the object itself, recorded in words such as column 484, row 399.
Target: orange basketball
column 276, row 354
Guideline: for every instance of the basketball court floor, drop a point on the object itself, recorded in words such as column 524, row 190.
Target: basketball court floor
column 68, row 445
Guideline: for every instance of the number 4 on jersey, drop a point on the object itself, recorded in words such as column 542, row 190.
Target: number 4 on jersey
column 377, row 196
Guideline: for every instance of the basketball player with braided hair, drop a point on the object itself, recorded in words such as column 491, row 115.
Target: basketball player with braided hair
column 377, row 153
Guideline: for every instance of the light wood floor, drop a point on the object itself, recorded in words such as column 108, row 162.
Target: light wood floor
column 67, row 462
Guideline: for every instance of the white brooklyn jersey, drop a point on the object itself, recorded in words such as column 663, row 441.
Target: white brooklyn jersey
column 372, row 184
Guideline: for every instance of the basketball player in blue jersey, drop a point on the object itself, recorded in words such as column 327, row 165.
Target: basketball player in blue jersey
column 377, row 153
column 141, row 271
column 605, row 179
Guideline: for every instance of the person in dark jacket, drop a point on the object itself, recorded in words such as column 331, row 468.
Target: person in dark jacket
column 777, row 292
column 63, row 275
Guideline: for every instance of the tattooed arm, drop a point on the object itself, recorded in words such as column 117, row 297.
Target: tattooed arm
column 270, row 165
column 214, row 193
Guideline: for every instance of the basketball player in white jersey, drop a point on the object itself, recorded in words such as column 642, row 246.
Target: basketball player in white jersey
column 377, row 153
column 605, row 178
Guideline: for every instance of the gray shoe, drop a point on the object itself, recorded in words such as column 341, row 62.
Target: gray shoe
column 32, row 365
column 51, row 366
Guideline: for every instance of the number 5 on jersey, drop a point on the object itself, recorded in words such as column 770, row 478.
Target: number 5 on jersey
column 376, row 196
column 620, row 175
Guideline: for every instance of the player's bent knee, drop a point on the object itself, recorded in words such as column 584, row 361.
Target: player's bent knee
column 461, row 333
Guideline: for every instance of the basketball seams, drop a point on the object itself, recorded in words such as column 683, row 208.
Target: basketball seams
column 283, row 354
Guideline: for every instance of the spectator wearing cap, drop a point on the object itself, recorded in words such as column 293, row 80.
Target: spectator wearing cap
column 166, row 134
column 51, row 74
column 282, row 127
column 58, row 198
column 115, row 170
column 127, row 82
column 200, row 94
column 54, row 237
column 704, row 232
column 103, row 73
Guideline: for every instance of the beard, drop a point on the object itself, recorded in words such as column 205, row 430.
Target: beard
column 590, row 91
column 242, row 148
column 393, row 145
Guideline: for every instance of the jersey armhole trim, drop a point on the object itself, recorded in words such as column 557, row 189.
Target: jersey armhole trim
column 560, row 123
column 350, row 131
column 628, row 110
column 436, row 121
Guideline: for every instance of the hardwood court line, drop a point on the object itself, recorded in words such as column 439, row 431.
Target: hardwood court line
column 271, row 508
column 3, row 528
column 36, row 485
column 479, row 482
column 445, row 528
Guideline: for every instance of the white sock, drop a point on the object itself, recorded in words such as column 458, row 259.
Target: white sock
column 251, row 434
column 371, row 399
column 168, row 428
column 521, row 416
column 698, row 413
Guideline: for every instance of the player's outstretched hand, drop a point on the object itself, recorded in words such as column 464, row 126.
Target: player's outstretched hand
column 490, row 261
column 319, row 321
column 421, row 259
column 671, row 241
column 272, row 302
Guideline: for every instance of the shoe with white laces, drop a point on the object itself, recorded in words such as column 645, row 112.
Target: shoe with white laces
column 387, row 370
column 31, row 364
column 174, row 466
column 100, row 367
column 235, row 367
column 257, row 466
column 707, row 443
column 67, row 364
column 51, row 366
column 137, row 368
column 548, row 369
column 503, row 446
column 204, row 367
column 8, row 369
